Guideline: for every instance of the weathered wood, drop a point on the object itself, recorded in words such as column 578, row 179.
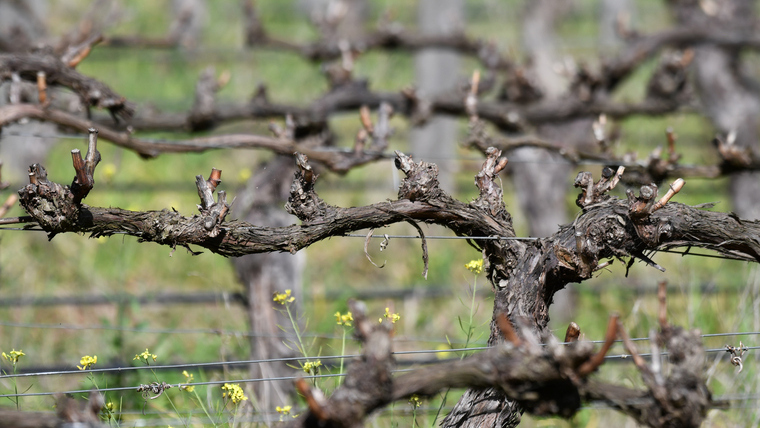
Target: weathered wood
column 543, row 380
column 525, row 276
column 606, row 228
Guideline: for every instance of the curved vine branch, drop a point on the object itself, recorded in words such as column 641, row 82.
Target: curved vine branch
column 612, row 227
column 91, row 92
column 544, row 380
column 525, row 276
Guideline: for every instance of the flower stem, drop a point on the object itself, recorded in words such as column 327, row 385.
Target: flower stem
column 297, row 331
column 342, row 353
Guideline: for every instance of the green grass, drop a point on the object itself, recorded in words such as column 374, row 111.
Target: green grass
column 76, row 265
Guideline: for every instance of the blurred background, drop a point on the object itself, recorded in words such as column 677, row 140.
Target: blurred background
column 114, row 297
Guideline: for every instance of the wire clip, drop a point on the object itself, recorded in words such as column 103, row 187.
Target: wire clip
column 153, row 388
column 736, row 355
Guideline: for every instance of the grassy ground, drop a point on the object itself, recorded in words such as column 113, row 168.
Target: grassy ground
column 74, row 265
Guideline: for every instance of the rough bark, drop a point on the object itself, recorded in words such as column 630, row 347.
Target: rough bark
column 535, row 174
column 265, row 274
column 544, row 380
column 538, row 174
column 611, row 229
column 525, row 276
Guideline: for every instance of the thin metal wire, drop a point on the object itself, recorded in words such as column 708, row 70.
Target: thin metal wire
column 689, row 253
column 173, row 366
column 213, row 382
column 270, row 379
column 205, row 331
column 333, row 357
column 257, row 334
column 487, row 238
column 153, row 331
column 500, row 238
column 665, row 353
column 228, row 363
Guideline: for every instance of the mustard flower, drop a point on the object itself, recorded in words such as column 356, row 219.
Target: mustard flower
column 188, row 379
column 443, row 355
column 283, row 298
column 285, row 410
column 390, row 316
column 414, row 400
column 108, row 171
column 106, row 413
column 344, row 319
column 145, row 356
column 475, row 266
column 87, row 362
column 13, row 356
column 233, row 392
column 244, row 174
column 312, row 367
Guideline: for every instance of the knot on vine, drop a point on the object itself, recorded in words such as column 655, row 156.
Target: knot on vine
column 51, row 205
column 594, row 193
column 213, row 212
column 491, row 196
column 640, row 209
column 304, row 202
column 421, row 182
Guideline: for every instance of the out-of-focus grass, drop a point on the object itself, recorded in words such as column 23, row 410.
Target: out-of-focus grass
column 69, row 264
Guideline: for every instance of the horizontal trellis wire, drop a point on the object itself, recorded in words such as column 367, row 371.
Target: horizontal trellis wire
column 327, row 357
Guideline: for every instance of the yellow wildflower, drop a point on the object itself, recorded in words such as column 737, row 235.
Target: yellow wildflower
column 188, row 379
column 283, row 298
column 87, row 362
column 145, row 355
column 108, row 171
column 390, row 316
column 443, row 355
column 475, row 266
column 233, row 392
column 414, row 400
column 244, row 174
column 344, row 319
column 106, row 413
column 312, row 367
column 285, row 410
column 13, row 356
